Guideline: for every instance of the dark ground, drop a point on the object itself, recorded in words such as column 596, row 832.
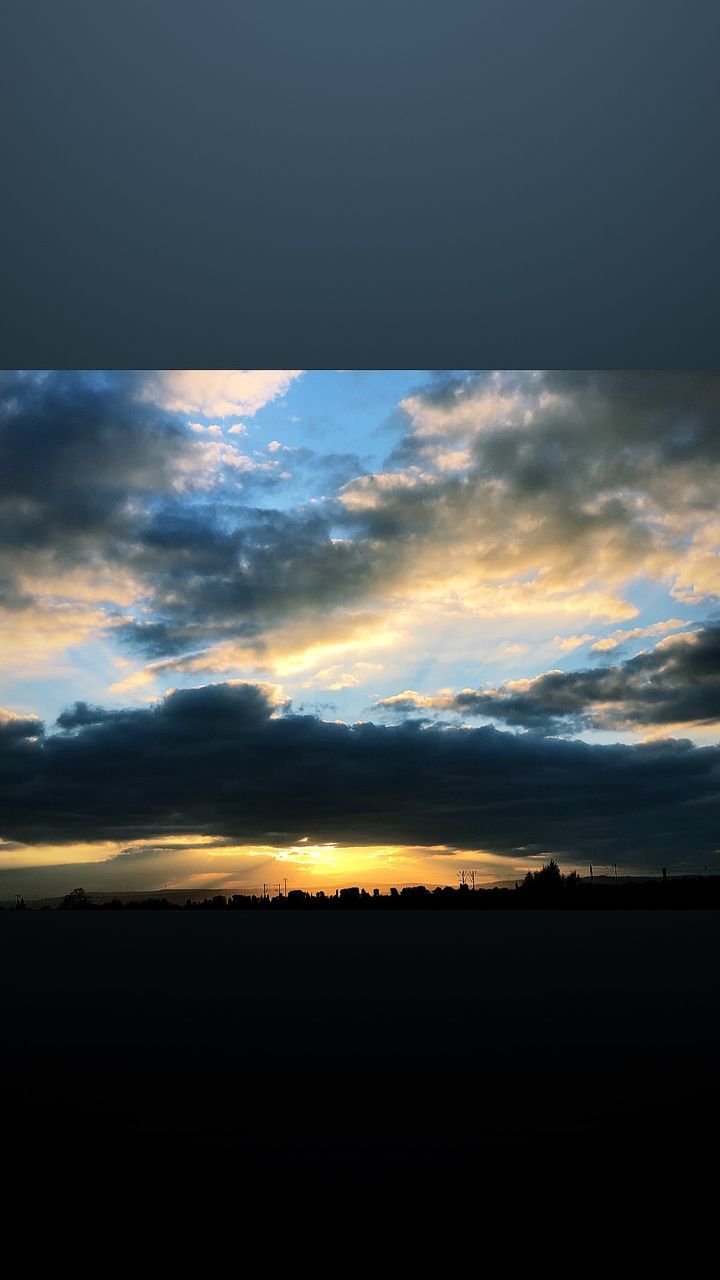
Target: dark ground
column 518, row 1075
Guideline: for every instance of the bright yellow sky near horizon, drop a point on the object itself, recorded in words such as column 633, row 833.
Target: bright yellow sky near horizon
column 204, row 862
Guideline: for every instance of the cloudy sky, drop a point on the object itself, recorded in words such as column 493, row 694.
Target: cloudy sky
column 356, row 627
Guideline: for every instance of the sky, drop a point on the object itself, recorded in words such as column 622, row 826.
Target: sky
column 356, row 627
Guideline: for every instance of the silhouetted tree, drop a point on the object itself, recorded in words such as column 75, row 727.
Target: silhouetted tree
column 550, row 876
column 76, row 900
column 545, row 883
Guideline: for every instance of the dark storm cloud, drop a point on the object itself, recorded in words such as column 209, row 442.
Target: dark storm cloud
column 92, row 476
column 17, row 729
column 673, row 411
column 580, row 456
column 154, row 639
column 211, row 584
column 600, row 431
column 677, row 683
column 74, row 449
column 218, row 760
column 88, row 470
column 82, row 714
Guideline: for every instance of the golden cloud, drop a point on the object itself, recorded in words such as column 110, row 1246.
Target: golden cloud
column 217, row 392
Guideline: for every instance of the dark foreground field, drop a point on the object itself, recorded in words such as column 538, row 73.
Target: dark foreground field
column 488, row 1064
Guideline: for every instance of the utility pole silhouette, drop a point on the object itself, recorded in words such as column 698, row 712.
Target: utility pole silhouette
column 472, row 878
column 285, row 886
column 462, row 875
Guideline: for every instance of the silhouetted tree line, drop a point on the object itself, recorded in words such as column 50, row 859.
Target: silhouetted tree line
column 547, row 888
